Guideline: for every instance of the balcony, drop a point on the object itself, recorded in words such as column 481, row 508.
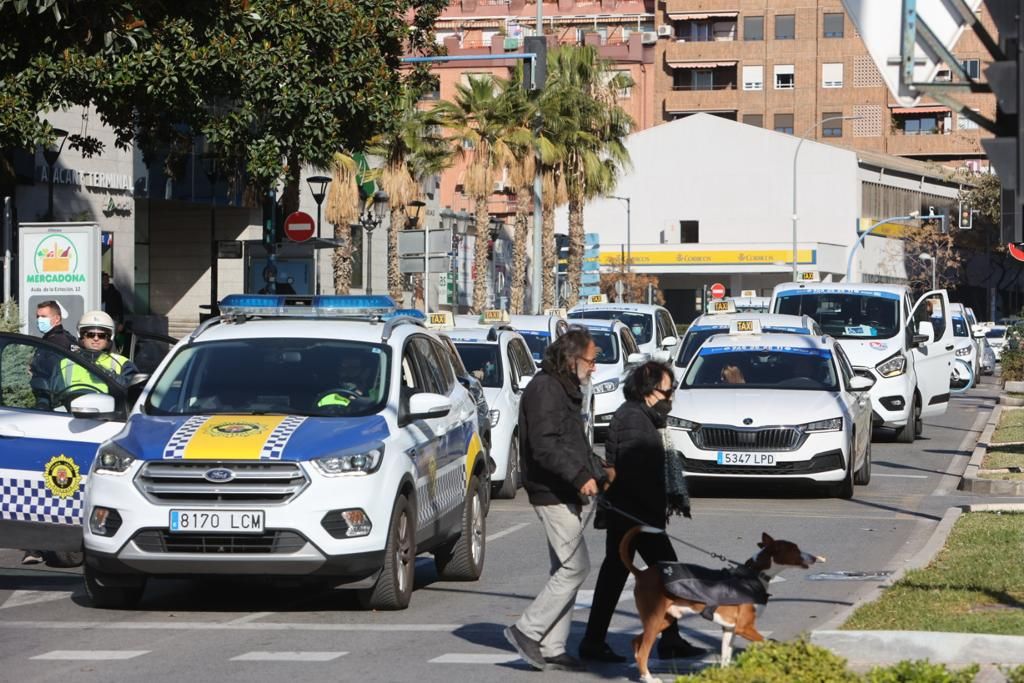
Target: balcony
column 684, row 6
column 709, row 51
column 954, row 143
column 722, row 98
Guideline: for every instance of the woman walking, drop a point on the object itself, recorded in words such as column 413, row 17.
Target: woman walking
column 638, row 448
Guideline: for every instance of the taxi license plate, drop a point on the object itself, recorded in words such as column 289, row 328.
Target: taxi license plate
column 761, row 459
column 217, row 521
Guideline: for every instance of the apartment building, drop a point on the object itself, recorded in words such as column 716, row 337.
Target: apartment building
column 787, row 65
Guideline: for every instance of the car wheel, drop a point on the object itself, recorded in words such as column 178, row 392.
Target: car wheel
column 907, row 432
column 510, row 485
column 62, row 559
column 862, row 477
column 394, row 585
column 844, row 489
column 463, row 558
column 113, row 592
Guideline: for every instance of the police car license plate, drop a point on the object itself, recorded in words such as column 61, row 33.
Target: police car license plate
column 762, row 459
column 217, row 521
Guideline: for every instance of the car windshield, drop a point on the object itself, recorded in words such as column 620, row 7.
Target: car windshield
column 959, row 327
column 607, row 347
column 483, row 361
column 641, row 324
column 314, row 377
column 768, row 367
column 537, row 343
column 846, row 315
column 996, row 332
column 696, row 336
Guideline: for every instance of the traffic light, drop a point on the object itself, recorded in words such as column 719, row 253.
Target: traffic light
column 966, row 220
column 562, row 246
column 536, row 74
column 270, row 222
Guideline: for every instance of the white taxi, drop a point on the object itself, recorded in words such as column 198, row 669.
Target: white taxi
column 652, row 325
column 782, row 406
column 293, row 436
column 617, row 354
column 500, row 360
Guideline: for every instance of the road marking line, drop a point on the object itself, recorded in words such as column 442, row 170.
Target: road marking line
column 288, row 656
column 511, row 530
column 457, row 658
column 902, row 476
column 21, row 598
column 92, row 655
column 226, row 626
column 585, row 598
column 250, row 617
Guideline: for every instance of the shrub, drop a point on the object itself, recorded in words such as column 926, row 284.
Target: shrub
column 921, row 671
column 9, row 316
column 1015, row 675
column 770, row 662
column 1012, row 361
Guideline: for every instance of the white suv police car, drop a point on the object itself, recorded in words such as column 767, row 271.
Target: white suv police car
column 297, row 436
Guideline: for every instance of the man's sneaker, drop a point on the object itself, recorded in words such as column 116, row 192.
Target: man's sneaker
column 564, row 662
column 32, row 557
column 600, row 652
column 528, row 648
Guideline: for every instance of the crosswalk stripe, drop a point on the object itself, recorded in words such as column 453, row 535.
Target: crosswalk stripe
column 92, row 655
column 474, row 658
column 288, row 656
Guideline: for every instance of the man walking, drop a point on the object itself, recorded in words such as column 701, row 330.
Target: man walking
column 560, row 474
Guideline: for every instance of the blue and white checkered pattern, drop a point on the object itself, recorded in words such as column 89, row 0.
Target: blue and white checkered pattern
column 278, row 439
column 175, row 448
column 28, row 500
column 449, row 493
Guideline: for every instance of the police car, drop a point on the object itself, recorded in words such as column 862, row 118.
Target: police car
column 782, row 406
column 652, row 325
column 724, row 317
column 617, row 354
column 294, row 436
column 905, row 346
column 500, row 360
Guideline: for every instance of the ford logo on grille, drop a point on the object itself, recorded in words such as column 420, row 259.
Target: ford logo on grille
column 747, row 421
column 219, row 475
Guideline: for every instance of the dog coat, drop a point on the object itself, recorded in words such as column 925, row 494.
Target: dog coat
column 713, row 587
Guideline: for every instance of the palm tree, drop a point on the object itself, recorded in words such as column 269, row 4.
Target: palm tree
column 589, row 128
column 341, row 210
column 479, row 121
column 410, row 152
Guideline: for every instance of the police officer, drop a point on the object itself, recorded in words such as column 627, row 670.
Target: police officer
column 49, row 321
column 95, row 333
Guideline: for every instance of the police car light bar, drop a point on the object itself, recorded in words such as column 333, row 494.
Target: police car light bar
column 326, row 306
column 408, row 313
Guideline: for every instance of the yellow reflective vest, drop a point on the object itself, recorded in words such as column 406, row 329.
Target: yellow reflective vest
column 74, row 374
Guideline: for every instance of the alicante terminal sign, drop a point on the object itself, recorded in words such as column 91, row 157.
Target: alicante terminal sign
column 58, row 262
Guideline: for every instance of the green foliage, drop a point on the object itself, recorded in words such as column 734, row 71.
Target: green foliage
column 10, row 317
column 770, row 662
column 1012, row 362
column 921, row 671
column 1015, row 675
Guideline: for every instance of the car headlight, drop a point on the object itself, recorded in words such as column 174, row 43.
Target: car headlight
column 112, row 459
column 966, row 351
column 680, row 423
column 833, row 425
column 494, row 416
column 357, row 462
column 606, row 386
column 894, row 366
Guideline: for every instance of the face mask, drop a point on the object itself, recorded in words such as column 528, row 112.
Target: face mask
column 44, row 325
column 663, row 407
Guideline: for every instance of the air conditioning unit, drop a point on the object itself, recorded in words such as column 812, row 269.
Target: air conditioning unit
column 499, row 186
column 666, row 31
column 648, row 37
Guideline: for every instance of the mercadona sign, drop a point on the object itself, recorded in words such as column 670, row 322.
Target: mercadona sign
column 58, row 261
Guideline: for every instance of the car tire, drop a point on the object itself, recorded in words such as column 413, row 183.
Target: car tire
column 507, row 489
column 862, row 477
column 393, row 589
column 463, row 558
column 107, row 592
column 62, row 559
column 907, row 432
column 844, row 489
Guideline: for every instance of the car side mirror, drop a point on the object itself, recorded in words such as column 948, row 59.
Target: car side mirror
column 427, row 406
column 94, row 407
column 523, row 381
column 859, row 383
column 669, row 342
column 637, row 358
column 925, row 334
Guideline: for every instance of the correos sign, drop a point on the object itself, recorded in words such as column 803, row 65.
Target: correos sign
column 59, row 261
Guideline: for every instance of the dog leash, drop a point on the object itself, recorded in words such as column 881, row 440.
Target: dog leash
column 603, row 502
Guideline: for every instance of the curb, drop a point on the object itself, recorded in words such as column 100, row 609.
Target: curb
column 889, row 647
column 970, row 482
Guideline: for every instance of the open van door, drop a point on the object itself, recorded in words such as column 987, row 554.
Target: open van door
column 931, row 343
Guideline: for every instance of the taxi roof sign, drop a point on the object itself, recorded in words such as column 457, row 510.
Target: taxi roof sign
column 748, row 293
column 596, row 299
column 441, row 320
column 745, row 326
column 494, row 315
column 722, row 306
column 557, row 312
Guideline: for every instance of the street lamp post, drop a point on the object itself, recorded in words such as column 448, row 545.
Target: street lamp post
column 926, row 258
column 51, row 153
column 629, row 231
column 211, row 167
column 796, row 155
column 369, row 221
column 318, row 187
column 913, row 215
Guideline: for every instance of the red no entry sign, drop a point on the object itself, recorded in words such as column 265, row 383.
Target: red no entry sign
column 299, row 226
column 717, row 290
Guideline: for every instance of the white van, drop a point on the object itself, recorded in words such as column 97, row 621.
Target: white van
column 906, row 346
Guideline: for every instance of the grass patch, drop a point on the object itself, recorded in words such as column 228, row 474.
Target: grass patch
column 974, row 585
column 1003, row 457
column 1010, row 427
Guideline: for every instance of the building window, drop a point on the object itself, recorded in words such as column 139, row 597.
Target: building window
column 833, row 128
column 702, row 79
column 784, row 77
column 785, row 26
column 972, row 67
column 832, row 75
column 689, row 232
column 833, row 26
column 920, row 125
column 784, row 123
column 700, row 32
column 753, row 28
column 753, row 77
column 754, row 120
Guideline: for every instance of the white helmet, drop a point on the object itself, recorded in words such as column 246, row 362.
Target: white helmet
column 96, row 320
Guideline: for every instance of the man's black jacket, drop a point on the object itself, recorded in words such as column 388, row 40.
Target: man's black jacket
column 556, row 454
column 635, row 448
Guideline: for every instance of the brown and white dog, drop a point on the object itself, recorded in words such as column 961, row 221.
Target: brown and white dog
column 658, row 608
